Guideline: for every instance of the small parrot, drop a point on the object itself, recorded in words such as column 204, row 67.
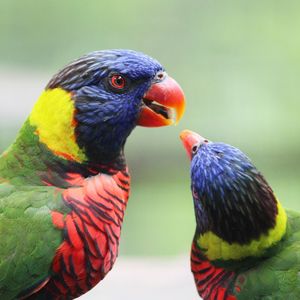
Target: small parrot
column 64, row 182
column 246, row 245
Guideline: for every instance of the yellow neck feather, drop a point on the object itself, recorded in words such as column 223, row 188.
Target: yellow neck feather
column 216, row 248
column 53, row 117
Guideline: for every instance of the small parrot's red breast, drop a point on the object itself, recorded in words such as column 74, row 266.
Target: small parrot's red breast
column 212, row 282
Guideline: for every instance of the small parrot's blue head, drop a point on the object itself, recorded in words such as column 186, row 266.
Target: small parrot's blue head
column 113, row 91
column 231, row 197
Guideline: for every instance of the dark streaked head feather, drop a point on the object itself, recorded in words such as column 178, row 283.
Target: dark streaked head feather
column 232, row 199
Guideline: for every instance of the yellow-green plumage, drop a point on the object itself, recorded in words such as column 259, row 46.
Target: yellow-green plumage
column 276, row 274
column 53, row 118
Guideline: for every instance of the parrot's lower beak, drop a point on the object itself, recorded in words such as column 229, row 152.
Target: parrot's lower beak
column 163, row 104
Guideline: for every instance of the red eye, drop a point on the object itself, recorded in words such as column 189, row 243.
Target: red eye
column 117, row 81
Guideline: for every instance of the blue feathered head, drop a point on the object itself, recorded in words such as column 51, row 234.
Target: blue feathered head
column 113, row 91
column 231, row 197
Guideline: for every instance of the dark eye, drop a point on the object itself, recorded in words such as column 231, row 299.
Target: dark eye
column 117, row 81
column 195, row 148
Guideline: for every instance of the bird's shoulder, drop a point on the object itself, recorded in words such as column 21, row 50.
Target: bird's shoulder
column 29, row 199
column 277, row 274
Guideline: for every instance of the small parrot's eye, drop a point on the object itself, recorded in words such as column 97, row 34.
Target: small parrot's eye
column 195, row 148
column 117, row 81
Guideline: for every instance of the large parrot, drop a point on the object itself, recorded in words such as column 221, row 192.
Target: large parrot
column 246, row 245
column 64, row 182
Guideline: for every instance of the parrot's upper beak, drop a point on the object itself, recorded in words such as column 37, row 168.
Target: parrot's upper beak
column 191, row 141
column 163, row 104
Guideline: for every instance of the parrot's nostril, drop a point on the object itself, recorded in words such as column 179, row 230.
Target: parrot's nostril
column 160, row 76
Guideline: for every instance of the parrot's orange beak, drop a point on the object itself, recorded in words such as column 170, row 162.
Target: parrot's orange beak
column 163, row 104
column 191, row 141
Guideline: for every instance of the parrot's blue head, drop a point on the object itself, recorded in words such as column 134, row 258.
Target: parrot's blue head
column 231, row 197
column 113, row 91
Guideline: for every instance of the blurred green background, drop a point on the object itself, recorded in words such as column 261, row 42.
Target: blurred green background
column 237, row 61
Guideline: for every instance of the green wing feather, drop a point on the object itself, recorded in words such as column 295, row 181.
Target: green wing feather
column 278, row 276
column 28, row 239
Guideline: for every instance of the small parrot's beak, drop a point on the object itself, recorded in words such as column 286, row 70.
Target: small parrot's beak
column 191, row 140
column 163, row 104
